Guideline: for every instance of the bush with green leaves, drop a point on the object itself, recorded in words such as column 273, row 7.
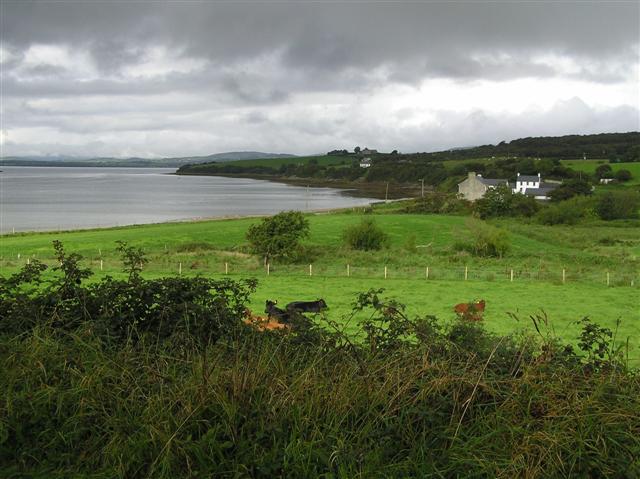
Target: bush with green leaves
column 615, row 205
column 502, row 201
column 365, row 236
column 482, row 239
column 568, row 212
column 181, row 309
column 278, row 236
column 570, row 188
column 439, row 202
column 623, row 175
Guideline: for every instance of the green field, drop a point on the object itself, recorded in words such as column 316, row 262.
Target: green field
column 589, row 166
column 538, row 256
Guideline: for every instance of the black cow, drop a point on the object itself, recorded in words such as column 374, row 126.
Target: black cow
column 276, row 313
column 306, row 306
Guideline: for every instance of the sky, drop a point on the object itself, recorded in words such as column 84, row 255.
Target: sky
column 185, row 78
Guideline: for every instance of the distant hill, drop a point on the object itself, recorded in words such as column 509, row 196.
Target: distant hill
column 137, row 162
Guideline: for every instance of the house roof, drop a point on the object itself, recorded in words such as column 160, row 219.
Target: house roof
column 538, row 191
column 528, row 178
column 492, row 181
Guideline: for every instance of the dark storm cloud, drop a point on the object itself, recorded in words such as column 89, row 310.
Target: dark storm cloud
column 426, row 39
column 195, row 77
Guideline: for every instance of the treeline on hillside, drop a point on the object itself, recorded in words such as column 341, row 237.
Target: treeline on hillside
column 161, row 378
column 613, row 146
column 526, row 156
column 395, row 168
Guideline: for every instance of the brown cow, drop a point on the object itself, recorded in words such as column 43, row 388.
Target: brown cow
column 262, row 323
column 472, row 311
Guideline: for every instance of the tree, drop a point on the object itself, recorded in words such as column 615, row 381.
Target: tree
column 623, row 175
column 570, row 188
column 603, row 171
column 278, row 236
column 356, row 150
column 615, row 205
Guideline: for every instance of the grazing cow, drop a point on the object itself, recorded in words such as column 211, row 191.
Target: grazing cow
column 470, row 311
column 273, row 312
column 307, row 306
column 261, row 323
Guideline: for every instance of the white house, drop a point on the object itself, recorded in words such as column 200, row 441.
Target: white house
column 368, row 151
column 523, row 182
column 530, row 185
column 365, row 163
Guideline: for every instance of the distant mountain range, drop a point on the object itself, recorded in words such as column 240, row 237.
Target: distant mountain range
column 136, row 162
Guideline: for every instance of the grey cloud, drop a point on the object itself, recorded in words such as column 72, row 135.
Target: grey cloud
column 335, row 36
column 261, row 61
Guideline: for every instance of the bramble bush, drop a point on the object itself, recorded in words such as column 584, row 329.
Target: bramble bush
column 175, row 308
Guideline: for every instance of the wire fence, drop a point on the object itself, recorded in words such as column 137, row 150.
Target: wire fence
column 193, row 266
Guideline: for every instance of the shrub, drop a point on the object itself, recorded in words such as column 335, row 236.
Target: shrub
column 197, row 310
column 365, row 236
column 615, row 205
column 603, row 171
column 278, row 236
column 568, row 212
column 501, row 201
column 570, row 188
column 485, row 240
column 438, row 202
column 623, row 175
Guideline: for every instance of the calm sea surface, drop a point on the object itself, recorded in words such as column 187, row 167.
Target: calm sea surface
column 41, row 198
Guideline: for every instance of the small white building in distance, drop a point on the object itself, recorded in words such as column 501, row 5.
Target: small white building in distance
column 365, row 163
column 367, row 151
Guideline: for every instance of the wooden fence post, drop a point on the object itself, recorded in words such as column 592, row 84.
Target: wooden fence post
column 385, row 272
column 348, row 272
column 180, row 268
column 466, row 272
column 226, row 268
column 100, row 265
column 310, row 270
column 512, row 276
column 268, row 268
column 607, row 278
column 564, row 277
column 426, row 273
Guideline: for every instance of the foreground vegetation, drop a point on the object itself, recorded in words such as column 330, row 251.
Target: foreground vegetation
column 138, row 377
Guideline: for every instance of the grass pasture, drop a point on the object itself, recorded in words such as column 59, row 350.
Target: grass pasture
column 538, row 256
column 589, row 166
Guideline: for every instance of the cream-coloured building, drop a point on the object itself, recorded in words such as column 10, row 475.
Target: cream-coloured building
column 475, row 186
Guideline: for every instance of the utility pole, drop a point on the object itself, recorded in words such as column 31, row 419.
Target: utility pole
column 422, row 181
